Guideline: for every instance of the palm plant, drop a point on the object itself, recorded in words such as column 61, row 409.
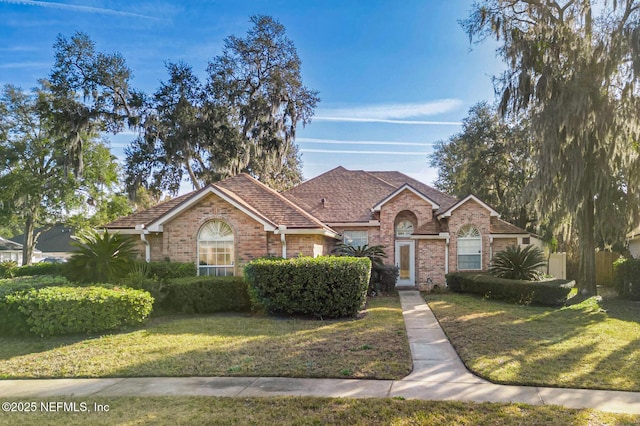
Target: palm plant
column 100, row 257
column 374, row 253
column 517, row 263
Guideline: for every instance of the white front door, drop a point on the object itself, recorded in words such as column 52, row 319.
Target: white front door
column 406, row 261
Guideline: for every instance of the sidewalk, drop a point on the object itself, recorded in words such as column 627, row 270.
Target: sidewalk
column 438, row 374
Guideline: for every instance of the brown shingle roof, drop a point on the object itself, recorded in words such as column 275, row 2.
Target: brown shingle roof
column 348, row 195
column 499, row 226
column 269, row 203
column 398, row 179
column 242, row 189
column 145, row 217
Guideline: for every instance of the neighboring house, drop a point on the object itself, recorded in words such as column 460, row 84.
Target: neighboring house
column 10, row 251
column 633, row 238
column 224, row 225
column 53, row 243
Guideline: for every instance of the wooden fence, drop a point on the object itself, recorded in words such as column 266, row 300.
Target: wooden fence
column 604, row 267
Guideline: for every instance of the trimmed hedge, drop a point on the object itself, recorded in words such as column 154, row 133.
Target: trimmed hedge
column 324, row 287
column 550, row 293
column 627, row 278
column 42, row 268
column 204, row 295
column 12, row 321
column 64, row 310
column 164, row 271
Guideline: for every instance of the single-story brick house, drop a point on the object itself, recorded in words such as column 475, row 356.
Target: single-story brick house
column 224, row 225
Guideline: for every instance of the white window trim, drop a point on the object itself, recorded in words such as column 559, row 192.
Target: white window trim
column 458, row 254
column 404, row 235
column 233, row 248
column 366, row 232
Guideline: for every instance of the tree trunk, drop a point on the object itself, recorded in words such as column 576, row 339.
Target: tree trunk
column 29, row 243
column 586, row 240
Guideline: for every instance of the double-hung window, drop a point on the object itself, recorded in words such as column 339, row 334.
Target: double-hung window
column 355, row 238
column 469, row 248
column 215, row 249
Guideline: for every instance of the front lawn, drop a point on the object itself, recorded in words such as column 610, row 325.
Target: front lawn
column 308, row 411
column 588, row 345
column 374, row 347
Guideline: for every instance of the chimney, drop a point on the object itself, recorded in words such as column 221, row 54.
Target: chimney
column 324, row 202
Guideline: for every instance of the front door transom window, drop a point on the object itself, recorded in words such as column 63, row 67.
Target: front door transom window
column 215, row 249
column 404, row 229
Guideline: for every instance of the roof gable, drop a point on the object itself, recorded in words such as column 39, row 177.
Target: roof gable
column 405, row 187
column 470, row 197
column 156, row 225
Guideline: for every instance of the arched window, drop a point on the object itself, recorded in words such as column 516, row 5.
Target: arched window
column 215, row 249
column 404, row 228
column 469, row 248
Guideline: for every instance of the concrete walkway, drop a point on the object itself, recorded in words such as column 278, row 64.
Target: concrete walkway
column 438, row 374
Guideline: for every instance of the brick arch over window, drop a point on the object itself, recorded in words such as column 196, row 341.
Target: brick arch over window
column 469, row 248
column 216, row 249
column 405, row 224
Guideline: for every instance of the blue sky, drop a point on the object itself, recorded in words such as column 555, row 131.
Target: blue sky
column 394, row 76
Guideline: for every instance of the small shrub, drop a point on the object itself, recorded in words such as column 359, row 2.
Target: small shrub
column 100, row 257
column 324, row 287
column 383, row 278
column 8, row 268
column 205, row 295
column 64, row 310
column 627, row 278
column 516, row 263
column 549, row 293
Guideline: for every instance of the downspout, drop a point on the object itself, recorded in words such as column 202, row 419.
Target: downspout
column 490, row 248
column 446, row 256
column 283, row 240
column 147, row 246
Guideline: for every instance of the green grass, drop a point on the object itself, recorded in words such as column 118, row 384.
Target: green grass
column 311, row 411
column 374, row 346
column 590, row 345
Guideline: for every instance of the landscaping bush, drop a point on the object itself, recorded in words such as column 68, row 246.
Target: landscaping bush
column 383, row 278
column 12, row 321
column 627, row 278
column 100, row 257
column 42, row 268
column 63, row 310
column 165, row 271
column 549, row 293
column 516, row 263
column 324, row 287
column 205, row 295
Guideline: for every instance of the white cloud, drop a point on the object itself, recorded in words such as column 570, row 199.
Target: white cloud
column 340, row 151
column 344, row 142
column 78, row 8
column 392, row 113
column 16, row 65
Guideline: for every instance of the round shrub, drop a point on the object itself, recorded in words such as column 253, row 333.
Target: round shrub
column 324, row 287
column 12, row 321
column 627, row 278
column 64, row 310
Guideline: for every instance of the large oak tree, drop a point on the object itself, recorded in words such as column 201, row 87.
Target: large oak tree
column 574, row 67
